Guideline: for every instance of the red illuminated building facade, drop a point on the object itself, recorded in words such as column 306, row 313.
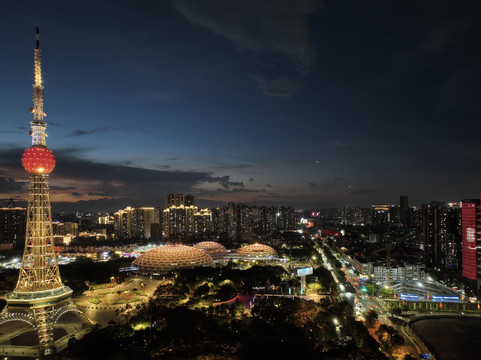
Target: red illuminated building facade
column 471, row 237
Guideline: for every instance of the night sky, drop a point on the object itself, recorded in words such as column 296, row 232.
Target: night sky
column 279, row 102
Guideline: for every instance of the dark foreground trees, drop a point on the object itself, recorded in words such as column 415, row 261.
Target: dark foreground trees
column 276, row 328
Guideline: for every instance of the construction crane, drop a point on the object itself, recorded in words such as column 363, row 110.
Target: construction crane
column 387, row 249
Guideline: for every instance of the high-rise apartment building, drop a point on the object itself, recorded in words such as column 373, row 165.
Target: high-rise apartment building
column 352, row 215
column 178, row 199
column 13, row 222
column 241, row 222
column 67, row 228
column 203, row 224
column 384, row 214
column 184, row 222
column 136, row 222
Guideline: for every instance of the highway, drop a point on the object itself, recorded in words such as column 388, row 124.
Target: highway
column 363, row 302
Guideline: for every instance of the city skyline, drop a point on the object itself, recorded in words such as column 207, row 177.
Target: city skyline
column 355, row 104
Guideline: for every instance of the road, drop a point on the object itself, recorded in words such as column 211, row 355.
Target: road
column 364, row 302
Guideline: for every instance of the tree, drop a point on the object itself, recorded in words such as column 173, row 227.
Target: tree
column 202, row 290
column 396, row 311
column 237, row 309
column 225, row 292
column 371, row 318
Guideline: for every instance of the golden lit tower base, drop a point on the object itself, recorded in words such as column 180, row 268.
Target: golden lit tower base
column 40, row 297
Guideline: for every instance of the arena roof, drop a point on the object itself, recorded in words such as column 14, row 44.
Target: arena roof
column 172, row 257
column 257, row 250
column 214, row 249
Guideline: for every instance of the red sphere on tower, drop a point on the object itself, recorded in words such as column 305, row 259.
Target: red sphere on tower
column 38, row 160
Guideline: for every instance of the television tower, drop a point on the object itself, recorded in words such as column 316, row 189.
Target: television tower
column 40, row 297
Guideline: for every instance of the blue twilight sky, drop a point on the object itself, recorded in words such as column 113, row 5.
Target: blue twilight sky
column 306, row 103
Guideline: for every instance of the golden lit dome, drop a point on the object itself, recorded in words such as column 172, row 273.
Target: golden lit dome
column 172, row 257
column 214, row 249
column 257, row 250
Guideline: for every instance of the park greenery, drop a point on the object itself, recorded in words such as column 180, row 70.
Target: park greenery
column 197, row 314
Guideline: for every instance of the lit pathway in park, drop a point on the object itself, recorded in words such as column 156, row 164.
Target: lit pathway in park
column 111, row 301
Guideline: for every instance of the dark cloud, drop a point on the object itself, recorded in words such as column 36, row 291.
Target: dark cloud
column 251, row 179
column 140, row 185
column 262, row 26
column 225, row 166
column 83, row 132
column 311, row 184
column 225, row 181
column 118, row 176
column 8, row 185
column 56, row 187
column 268, row 185
column 96, row 194
column 224, row 191
column 105, row 204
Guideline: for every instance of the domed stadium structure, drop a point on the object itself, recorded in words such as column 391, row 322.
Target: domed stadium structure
column 214, row 249
column 172, row 257
column 257, row 251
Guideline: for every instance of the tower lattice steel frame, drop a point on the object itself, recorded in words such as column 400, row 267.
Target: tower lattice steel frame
column 40, row 297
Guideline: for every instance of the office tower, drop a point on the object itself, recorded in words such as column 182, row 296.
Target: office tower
column 40, row 297
column 440, row 234
column 452, row 250
column 404, row 211
column 470, row 232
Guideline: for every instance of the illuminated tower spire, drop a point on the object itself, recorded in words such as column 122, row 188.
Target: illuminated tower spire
column 38, row 124
column 39, row 265
column 39, row 297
